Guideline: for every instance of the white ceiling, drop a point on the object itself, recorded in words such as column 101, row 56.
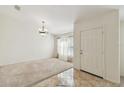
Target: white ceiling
column 59, row 19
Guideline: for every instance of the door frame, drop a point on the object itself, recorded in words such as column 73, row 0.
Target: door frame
column 103, row 61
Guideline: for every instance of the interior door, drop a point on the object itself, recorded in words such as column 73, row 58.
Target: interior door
column 92, row 51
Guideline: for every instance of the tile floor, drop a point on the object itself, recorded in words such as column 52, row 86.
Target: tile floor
column 76, row 78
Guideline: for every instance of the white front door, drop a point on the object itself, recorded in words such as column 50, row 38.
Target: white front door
column 92, row 51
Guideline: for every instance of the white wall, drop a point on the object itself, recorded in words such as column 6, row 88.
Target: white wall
column 20, row 41
column 122, row 47
column 110, row 23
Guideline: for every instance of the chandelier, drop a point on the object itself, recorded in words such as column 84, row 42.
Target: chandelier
column 43, row 30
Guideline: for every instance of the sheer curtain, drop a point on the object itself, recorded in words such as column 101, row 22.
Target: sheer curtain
column 65, row 48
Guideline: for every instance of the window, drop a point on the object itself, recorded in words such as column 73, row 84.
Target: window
column 65, row 48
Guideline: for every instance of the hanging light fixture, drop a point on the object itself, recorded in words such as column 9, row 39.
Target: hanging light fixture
column 43, row 30
column 17, row 7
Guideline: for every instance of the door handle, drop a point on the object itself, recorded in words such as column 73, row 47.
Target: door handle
column 81, row 51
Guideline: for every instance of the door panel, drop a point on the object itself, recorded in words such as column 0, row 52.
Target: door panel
column 92, row 51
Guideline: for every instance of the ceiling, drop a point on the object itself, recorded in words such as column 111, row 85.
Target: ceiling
column 59, row 18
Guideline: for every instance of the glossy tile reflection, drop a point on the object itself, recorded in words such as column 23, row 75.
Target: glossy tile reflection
column 75, row 78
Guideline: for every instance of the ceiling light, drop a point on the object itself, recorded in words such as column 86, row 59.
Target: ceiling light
column 18, row 8
column 43, row 31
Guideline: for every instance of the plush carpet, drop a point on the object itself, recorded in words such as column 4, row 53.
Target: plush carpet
column 29, row 73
